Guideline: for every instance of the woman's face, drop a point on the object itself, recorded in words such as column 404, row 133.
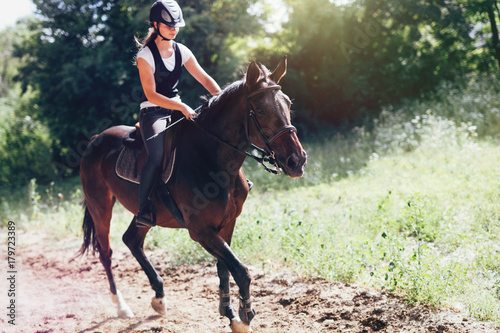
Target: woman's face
column 166, row 31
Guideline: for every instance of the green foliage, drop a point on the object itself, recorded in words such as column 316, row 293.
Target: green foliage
column 448, row 118
column 25, row 152
column 410, row 223
column 8, row 64
column 455, row 111
column 25, row 143
column 212, row 28
column 345, row 62
column 409, row 219
column 419, row 218
column 485, row 16
column 55, row 205
column 79, row 58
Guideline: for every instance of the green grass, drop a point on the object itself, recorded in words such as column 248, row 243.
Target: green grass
column 425, row 225
column 411, row 207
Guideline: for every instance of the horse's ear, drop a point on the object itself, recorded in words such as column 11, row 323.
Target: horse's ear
column 253, row 74
column 280, row 71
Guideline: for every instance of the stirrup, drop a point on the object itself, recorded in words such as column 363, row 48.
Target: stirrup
column 143, row 221
column 146, row 219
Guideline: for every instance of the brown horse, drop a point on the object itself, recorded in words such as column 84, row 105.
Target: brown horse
column 207, row 182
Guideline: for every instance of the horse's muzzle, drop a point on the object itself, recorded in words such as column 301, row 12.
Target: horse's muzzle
column 291, row 156
column 295, row 164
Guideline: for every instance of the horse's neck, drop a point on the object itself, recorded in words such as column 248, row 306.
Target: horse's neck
column 228, row 123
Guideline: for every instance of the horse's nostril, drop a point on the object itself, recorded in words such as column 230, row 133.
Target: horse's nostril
column 291, row 162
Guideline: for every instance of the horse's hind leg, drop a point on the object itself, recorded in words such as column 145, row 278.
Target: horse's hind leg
column 134, row 239
column 101, row 214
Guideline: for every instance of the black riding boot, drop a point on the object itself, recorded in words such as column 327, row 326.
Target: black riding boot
column 147, row 214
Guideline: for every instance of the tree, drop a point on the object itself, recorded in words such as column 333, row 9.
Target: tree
column 25, row 144
column 8, row 67
column 212, row 28
column 346, row 61
column 80, row 60
column 484, row 15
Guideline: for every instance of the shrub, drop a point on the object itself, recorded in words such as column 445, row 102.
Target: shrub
column 25, row 145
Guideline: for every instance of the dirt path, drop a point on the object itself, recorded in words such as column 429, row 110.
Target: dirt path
column 57, row 293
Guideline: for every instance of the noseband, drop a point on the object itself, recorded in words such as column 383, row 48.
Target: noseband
column 268, row 152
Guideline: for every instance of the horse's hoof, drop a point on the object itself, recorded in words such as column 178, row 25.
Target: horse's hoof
column 159, row 305
column 125, row 313
column 237, row 326
column 123, row 309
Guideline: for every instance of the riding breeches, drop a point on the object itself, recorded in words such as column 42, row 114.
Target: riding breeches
column 154, row 120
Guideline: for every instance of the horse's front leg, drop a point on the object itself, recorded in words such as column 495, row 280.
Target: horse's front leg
column 134, row 239
column 226, row 308
column 227, row 260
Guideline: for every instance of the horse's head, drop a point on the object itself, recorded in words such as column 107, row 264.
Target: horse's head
column 269, row 126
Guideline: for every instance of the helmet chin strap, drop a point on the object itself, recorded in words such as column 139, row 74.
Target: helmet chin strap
column 157, row 31
column 162, row 38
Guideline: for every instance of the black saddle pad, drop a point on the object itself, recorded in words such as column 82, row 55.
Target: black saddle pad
column 127, row 166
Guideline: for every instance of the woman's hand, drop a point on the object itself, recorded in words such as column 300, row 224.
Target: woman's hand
column 149, row 85
column 187, row 111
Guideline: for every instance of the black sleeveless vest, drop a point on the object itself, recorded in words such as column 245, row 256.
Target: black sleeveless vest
column 166, row 81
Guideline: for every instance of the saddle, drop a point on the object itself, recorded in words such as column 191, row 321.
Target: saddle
column 132, row 158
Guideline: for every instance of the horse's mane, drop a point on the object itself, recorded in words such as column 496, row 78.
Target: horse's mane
column 216, row 104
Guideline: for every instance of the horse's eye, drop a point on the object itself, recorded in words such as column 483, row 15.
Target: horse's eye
column 258, row 109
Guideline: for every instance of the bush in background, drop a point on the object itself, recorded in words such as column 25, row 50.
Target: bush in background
column 25, row 144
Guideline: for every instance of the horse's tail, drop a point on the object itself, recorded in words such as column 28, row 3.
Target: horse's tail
column 89, row 238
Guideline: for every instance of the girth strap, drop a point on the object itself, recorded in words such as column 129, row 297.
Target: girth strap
column 169, row 202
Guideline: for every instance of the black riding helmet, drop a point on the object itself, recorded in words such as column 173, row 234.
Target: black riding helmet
column 167, row 12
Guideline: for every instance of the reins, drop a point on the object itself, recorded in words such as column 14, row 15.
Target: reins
column 268, row 154
column 260, row 160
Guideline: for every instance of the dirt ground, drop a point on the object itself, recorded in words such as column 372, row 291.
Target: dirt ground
column 57, row 293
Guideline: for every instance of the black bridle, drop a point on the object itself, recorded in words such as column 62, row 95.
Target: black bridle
column 268, row 154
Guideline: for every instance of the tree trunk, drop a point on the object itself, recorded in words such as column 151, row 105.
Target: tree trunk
column 490, row 8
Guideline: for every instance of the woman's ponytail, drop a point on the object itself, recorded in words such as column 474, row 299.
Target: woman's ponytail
column 142, row 43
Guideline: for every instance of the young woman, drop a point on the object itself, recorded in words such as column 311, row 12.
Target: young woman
column 160, row 62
